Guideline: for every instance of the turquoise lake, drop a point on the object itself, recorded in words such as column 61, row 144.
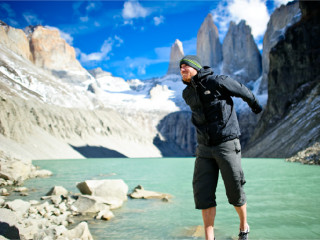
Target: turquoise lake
column 283, row 198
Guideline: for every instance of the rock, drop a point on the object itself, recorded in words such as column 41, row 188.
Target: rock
column 89, row 204
column 81, row 231
column 175, row 56
column 209, row 48
column 110, row 190
column 40, row 173
column 58, row 191
column 139, row 192
column 19, row 206
column 4, row 192
column 191, row 232
column 105, row 215
column 9, row 224
column 310, row 155
column 56, row 199
column 15, row 170
column 34, row 202
column 2, row 181
column 198, row 232
column 281, row 18
column 241, row 57
column 20, row 189
column 2, row 201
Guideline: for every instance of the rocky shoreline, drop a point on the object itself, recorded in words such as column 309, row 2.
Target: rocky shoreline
column 310, row 156
column 60, row 214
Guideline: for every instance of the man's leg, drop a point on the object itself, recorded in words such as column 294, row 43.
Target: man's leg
column 242, row 212
column 208, row 216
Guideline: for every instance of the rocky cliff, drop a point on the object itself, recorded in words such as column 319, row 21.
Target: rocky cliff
column 52, row 53
column 291, row 120
column 15, row 40
column 280, row 19
column 177, row 135
column 175, row 56
column 241, row 57
column 209, row 48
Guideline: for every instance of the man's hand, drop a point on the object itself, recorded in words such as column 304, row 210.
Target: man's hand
column 257, row 108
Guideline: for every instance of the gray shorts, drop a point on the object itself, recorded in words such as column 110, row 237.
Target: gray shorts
column 225, row 157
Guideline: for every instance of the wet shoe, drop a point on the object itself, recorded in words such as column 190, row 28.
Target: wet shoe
column 244, row 235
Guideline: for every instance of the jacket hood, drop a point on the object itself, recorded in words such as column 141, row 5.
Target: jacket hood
column 203, row 72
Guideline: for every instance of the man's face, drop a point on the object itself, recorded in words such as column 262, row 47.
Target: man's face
column 187, row 72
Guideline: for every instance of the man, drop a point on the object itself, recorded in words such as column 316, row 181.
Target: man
column 215, row 120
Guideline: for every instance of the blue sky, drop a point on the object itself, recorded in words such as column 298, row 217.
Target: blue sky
column 132, row 39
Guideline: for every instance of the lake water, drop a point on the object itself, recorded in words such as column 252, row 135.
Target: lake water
column 283, row 198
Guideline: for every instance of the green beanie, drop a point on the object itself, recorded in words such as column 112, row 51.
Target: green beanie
column 192, row 61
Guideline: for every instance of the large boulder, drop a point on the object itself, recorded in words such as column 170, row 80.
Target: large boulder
column 89, row 204
column 15, row 170
column 113, row 191
column 18, row 206
column 9, row 224
column 58, row 191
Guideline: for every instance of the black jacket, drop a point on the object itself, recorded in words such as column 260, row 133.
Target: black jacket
column 213, row 113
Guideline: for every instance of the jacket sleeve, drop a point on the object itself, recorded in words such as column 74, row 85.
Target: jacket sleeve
column 236, row 89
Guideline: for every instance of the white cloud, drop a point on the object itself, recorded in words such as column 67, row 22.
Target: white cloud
column 64, row 35
column 278, row 3
column 254, row 12
column 158, row 20
column 32, row 19
column 142, row 70
column 104, row 53
column 84, row 19
column 118, row 40
column 133, row 9
column 83, row 9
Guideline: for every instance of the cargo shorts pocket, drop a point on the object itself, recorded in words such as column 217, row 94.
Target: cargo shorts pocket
column 242, row 180
column 237, row 146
